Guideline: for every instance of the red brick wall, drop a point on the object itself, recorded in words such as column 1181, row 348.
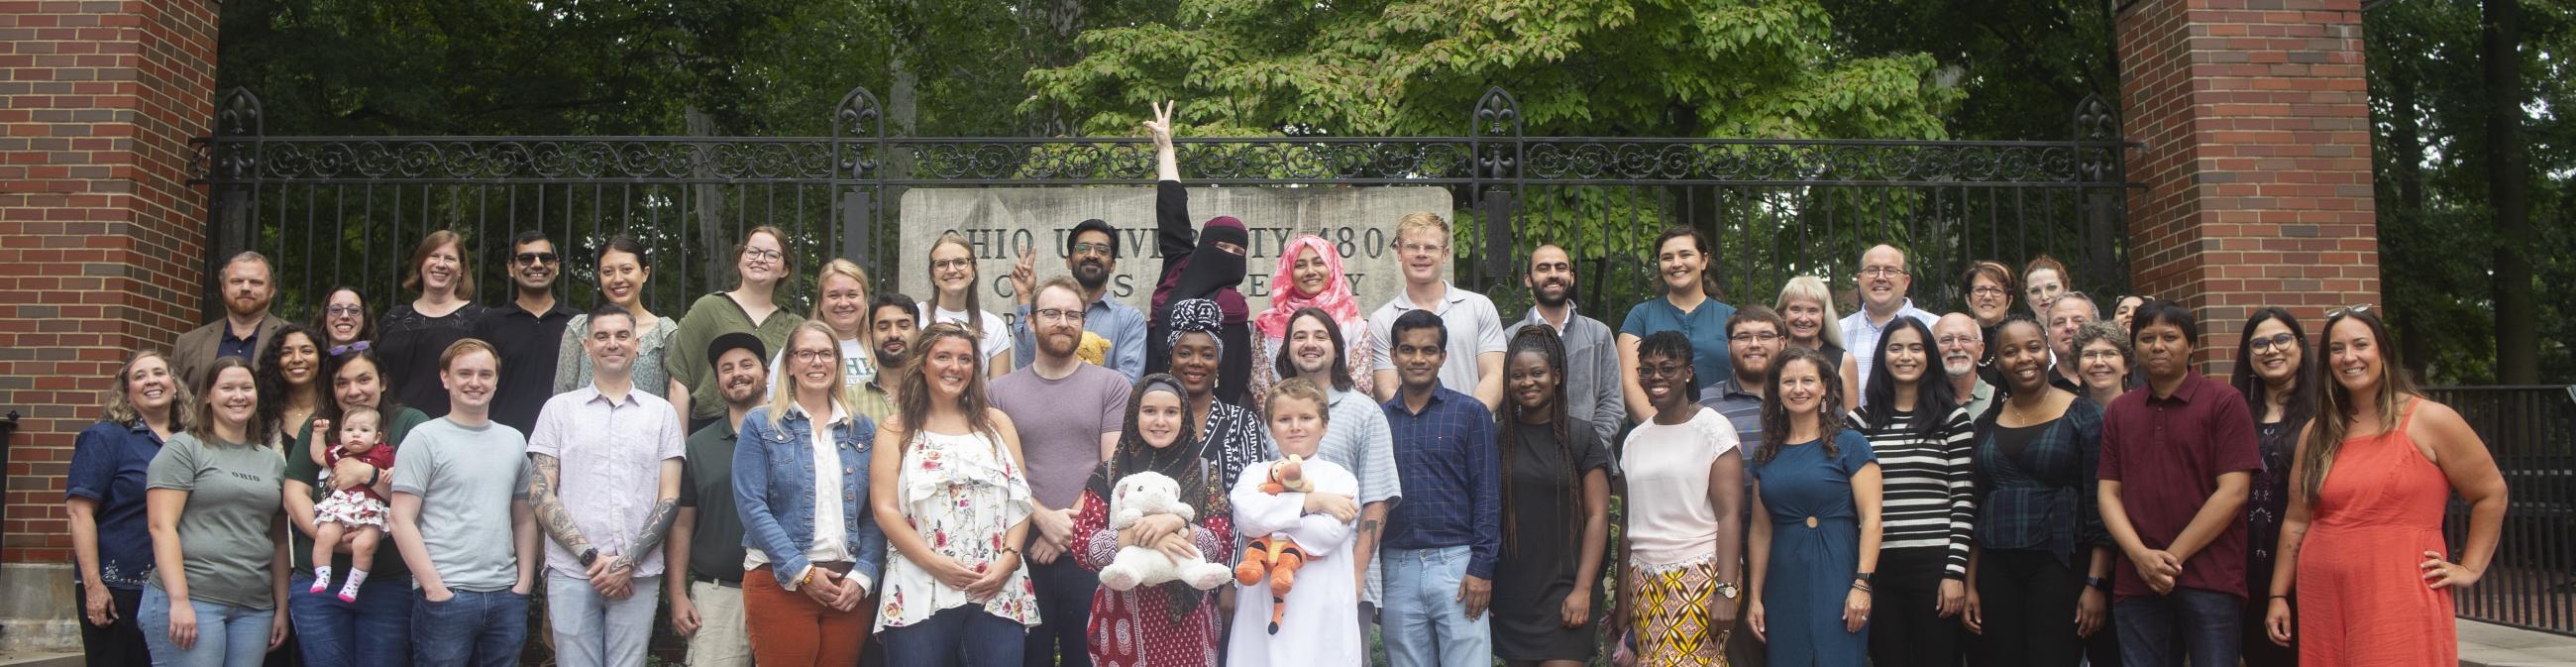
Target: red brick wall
column 2256, row 125
column 104, row 238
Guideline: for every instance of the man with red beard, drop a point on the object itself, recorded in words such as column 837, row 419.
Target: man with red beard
column 1070, row 415
column 249, row 282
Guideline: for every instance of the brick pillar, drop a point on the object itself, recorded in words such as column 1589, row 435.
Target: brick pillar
column 2256, row 129
column 105, row 246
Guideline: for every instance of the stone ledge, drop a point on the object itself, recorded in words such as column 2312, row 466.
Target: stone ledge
column 37, row 610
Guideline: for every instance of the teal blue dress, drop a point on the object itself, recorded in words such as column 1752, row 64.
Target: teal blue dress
column 1811, row 568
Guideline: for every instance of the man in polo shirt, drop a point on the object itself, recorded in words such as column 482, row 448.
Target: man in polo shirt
column 1591, row 355
column 606, row 485
column 1091, row 254
column 1884, row 280
column 1755, row 335
column 249, row 284
column 1355, row 438
column 1442, row 541
column 704, row 553
column 460, row 520
column 2176, row 462
column 527, row 330
column 1475, row 329
column 2068, row 313
column 1070, row 415
column 1962, row 344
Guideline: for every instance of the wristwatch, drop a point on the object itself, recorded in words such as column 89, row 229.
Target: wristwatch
column 2098, row 582
column 1728, row 590
column 588, row 555
column 1863, row 576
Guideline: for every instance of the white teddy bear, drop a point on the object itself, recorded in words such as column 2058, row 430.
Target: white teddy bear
column 1146, row 494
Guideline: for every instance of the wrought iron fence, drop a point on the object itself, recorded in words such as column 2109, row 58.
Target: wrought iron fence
column 337, row 211
column 2531, row 430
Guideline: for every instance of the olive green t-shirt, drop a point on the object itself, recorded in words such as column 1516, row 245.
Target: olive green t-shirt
column 300, row 467
column 716, row 315
column 227, row 532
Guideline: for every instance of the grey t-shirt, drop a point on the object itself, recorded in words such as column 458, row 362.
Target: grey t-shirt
column 1060, row 424
column 467, row 480
column 228, row 532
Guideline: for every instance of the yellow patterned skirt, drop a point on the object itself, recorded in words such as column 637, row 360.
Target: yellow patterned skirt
column 1672, row 619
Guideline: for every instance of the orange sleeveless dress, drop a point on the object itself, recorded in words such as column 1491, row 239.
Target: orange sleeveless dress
column 2362, row 598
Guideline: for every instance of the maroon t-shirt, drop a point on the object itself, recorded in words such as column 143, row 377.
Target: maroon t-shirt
column 2167, row 454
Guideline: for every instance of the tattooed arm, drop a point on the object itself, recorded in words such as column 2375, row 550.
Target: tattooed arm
column 551, row 514
column 658, row 523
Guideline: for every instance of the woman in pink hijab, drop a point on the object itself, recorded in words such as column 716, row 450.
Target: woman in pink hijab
column 1310, row 276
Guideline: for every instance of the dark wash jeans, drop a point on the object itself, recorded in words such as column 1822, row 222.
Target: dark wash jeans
column 2159, row 630
column 957, row 637
column 476, row 628
column 375, row 631
column 1064, row 592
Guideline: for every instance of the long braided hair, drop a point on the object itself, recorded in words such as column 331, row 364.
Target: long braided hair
column 1514, row 435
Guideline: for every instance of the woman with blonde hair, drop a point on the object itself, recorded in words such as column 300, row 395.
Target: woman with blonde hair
column 841, row 305
column 1808, row 306
column 111, row 548
column 814, row 551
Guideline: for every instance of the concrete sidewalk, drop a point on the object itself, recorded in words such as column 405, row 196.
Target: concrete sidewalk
column 2491, row 645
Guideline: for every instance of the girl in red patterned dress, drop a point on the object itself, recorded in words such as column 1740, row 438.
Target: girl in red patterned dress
column 1167, row 624
column 356, row 509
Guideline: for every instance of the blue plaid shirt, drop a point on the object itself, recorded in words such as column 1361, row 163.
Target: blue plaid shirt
column 1453, row 494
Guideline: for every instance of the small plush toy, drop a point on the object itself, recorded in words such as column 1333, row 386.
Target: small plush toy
column 1275, row 556
column 1142, row 495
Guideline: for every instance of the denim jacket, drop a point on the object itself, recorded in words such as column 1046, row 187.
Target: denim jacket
column 773, row 488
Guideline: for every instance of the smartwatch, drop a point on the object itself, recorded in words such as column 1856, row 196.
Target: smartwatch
column 2097, row 582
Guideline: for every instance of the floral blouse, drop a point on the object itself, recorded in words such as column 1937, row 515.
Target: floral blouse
column 962, row 493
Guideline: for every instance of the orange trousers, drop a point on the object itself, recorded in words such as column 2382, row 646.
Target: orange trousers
column 791, row 630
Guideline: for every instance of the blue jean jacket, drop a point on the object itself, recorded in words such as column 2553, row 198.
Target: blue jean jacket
column 773, row 488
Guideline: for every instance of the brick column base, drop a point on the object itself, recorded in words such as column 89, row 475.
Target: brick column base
column 2256, row 129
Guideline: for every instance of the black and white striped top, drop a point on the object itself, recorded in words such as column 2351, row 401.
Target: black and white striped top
column 1930, row 488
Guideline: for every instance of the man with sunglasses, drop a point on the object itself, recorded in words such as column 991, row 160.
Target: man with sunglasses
column 527, row 330
column 1091, row 254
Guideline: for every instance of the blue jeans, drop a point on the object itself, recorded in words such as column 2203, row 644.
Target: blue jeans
column 1424, row 624
column 594, row 631
column 227, row 636
column 375, row 631
column 478, row 628
column 1064, row 592
column 957, row 637
column 2158, row 630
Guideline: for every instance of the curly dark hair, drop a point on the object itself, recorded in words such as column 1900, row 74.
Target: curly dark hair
column 1775, row 415
column 271, row 377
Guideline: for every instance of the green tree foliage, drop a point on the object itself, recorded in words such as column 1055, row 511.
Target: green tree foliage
column 2435, row 225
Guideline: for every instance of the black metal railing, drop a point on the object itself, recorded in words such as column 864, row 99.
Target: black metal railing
column 2531, row 430
column 346, row 210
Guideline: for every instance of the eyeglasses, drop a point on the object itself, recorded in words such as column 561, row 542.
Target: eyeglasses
column 1754, row 337
column 1987, row 290
column 360, row 346
column 1882, row 271
column 1093, row 249
column 1056, row 315
column 1422, row 248
column 2279, row 340
column 2101, row 355
column 763, row 254
column 952, row 263
column 344, row 309
column 1663, row 371
column 538, row 258
column 814, row 355
column 2350, row 310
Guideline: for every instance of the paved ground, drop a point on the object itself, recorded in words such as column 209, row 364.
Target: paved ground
column 2490, row 645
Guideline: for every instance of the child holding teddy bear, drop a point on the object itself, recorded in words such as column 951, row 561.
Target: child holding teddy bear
column 1156, row 624
column 1311, row 616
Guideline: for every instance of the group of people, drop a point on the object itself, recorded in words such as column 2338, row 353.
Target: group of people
column 928, row 482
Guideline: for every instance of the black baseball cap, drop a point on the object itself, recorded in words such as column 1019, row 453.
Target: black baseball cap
column 739, row 340
column 1092, row 225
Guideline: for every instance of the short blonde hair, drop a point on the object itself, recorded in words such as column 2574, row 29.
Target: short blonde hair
column 840, row 267
column 462, row 347
column 1812, row 288
column 1423, row 220
column 120, row 409
column 1298, row 388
